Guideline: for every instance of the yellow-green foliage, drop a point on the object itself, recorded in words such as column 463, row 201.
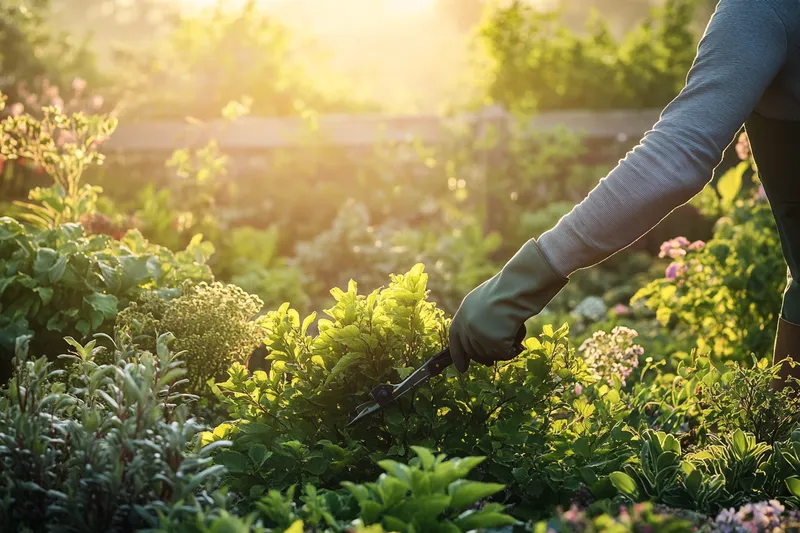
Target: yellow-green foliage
column 213, row 325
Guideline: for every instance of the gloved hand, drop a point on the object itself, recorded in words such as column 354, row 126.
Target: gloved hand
column 489, row 325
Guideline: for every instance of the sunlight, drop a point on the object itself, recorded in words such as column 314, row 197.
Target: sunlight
column 391, row 6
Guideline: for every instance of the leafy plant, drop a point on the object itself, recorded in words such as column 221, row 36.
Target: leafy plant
column 63, row 147
column 213, row 326
column 535, row 63
column 723, row 292
column 546, row 430
column 739, row 397
column 101, row 447
column 431, row 496
column 61, row 282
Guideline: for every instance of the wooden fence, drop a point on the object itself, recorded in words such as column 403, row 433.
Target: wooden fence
column 362, row 131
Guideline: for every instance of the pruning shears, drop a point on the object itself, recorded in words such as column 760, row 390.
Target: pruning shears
column 383, row 395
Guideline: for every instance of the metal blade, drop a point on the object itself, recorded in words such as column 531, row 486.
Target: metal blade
column 368, row 408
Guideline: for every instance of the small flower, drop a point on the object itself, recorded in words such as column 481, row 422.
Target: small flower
column 696, row 246
column 58, row 103
column 16, row 109
column 672, row 271
column 621, row 309
column 676, row 253
column 96, row 102
column 578, row 389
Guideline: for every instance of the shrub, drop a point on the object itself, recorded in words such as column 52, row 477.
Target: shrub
column 725, row 293
column 213, row 326
column 430, row 493
column 542, row 437
column 104, row 447
column 535, row 63
column 59, row 281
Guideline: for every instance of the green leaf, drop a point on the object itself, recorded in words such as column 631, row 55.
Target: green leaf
column 464, row 493
column 258, row 454
column 56, row 271
column 233, row 461
column 481, row 520
column 581, row 447
column 10, row 228
column 134, row 270
column 793, row 484
column 45, row 259
column 392, row 523
column 45, row 293
column 425, row 456
column 105, row 304
column 342, row 365
column 6, row 282
column 730, row 183
column 625, row 484
column 739, row 443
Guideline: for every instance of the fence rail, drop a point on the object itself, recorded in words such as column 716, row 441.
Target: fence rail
column 258, row 133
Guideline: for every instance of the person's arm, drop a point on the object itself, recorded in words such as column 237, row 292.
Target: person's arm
column 743, row 48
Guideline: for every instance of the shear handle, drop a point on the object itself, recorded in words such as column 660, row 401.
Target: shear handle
column 439, row 362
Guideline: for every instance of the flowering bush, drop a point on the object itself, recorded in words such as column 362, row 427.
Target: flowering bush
column 213, row 325
column 613, row 357
column 724, row 294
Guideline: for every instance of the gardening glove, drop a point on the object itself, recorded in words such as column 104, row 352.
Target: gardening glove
column 489, row 325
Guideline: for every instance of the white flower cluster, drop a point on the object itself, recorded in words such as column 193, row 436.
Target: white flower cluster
column 614, row 354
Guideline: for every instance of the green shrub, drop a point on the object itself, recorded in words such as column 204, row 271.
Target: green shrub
column 539, row 419
column 60, row 281
column 213, row 325
column 104, row 447
column 430, row 493
column 536, row 63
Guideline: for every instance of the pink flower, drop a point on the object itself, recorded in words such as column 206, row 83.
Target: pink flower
column 676, row 253
column 674, row 248
column 578, row 389
column 58, row 103
column 672, row 271
column 17, row 109
column 621, row 309
column 696, row 246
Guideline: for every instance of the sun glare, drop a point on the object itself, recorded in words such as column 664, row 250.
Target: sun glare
column 393, row 6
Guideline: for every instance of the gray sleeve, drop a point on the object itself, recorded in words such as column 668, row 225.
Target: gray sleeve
column 743, row 48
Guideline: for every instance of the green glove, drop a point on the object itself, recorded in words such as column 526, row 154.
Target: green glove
column 489, row 325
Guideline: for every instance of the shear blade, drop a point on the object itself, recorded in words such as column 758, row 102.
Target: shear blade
column 364, row 410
